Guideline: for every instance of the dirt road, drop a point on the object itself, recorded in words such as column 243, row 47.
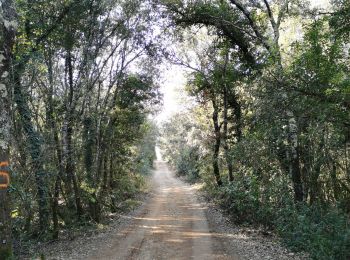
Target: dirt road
column 171, row 226
column 175, row 222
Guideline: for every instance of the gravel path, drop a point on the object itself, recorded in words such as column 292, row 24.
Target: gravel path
column 175, row 222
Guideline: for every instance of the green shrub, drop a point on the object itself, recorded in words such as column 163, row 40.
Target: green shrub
column 239, row 202
column 323, row 232
column 187, row 163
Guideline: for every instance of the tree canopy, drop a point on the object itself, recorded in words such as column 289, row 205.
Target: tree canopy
column 268, row 131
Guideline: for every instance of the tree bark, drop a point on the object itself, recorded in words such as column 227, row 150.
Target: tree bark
column 225, row 138
column 34, row 145
column 235, row 105
column 315, row 174
column 70, row 166
column 88, row 140
column 335, row 184
column 7, row 38
column 294, row 162
column 216, row 151
column 59, row 163
column 225, row 114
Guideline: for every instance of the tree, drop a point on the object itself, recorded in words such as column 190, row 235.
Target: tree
column 238, row 23
column 8, row 27
column 77, row 90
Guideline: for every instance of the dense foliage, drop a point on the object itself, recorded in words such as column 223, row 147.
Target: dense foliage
column 268, row 132
column 82, row 86
column 272, row 117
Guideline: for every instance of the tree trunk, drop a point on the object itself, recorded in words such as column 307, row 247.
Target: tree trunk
column 70, row 170
column 105, row 172
column 70, row 166
column 225, row 139
column 55, row 208
column 88, row 142
column 216, row 168
column 334, row 180
column 7, row 37
column 237, row 112
column 314, row 184
column 294, row 164
column 292, row 135
column 224, row 135
column 59, row 163
column 34, row 145
column 5, row 217
column 305, row 158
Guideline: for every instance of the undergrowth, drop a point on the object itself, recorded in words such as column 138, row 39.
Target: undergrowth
column 321, row 231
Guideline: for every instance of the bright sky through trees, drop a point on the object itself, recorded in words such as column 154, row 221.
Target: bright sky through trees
column 250, row 98
column 173, row 81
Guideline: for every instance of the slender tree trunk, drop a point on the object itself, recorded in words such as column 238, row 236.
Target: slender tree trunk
column 225, row 138
column 347, row 152
column 225, row 114
column 315, row 174
column 34, row 145
column 292, row 135
column 59, row 163
column 57, row 183
column 105, row 172
column 7, row 38
column 292, row 132
column 305, row 171
column 68, row 182
column 94, row 207
column 70, row 166
column 217, row 134
column 5, row 218
column 334, row 180
column 55, row 208
column 305, row 159
column 294, row 163
column 99, row 141
column 88, row 141
column 237, row 112
column 70, row 169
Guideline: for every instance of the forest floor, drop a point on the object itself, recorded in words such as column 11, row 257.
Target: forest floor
column 174, row 222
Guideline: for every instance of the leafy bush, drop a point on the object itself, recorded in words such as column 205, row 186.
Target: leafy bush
column 323, row 232
column 145, row 151
column 187, row 163
column 240, row 202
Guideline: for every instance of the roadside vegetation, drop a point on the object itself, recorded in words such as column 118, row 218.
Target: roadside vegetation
column 267, row 124
column 77, row 89
column 268, row 130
